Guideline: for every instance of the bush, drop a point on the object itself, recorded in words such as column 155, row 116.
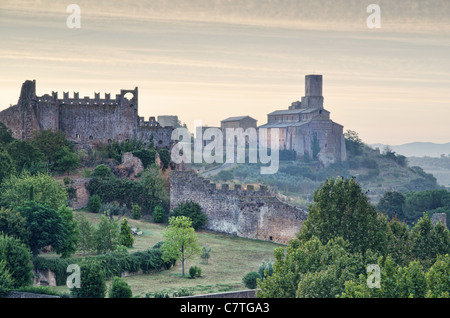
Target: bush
column 193, row 211
column 93, row 283
column 126, row 238
column 164, row 156
column 159, row 214
column 136, row 211
column 95, row 203
column 120, row 289
column 250, row 280
column 195, row 271
column 102, row 171
column 15, row 259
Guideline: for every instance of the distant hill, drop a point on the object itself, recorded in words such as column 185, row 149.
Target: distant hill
column 418, row 149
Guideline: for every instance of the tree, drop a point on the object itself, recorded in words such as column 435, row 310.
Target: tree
column 102, row 171
column 353, row 143
column 340, row 209
column 92, row 281
column 392, row 203
column 120, row 289
column 159, row 214
column 5, row 134
column 180, row 241
column 49, row 143
column 26, row 156
column 86, row 239
column 16, row 260
column 65, row 160
column 153, row 184
column 72, row 232
column 41, row 187
column 164, row 156
column 191, row 210
column 13, row 224
column 94, row 203
column 206, row 254
column 126, row 237
column 6, row 166
column 106, row 235
column 250, row 280
column 45, row 225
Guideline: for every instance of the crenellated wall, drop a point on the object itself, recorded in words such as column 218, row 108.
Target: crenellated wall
column 255, row 214
column 87, row 121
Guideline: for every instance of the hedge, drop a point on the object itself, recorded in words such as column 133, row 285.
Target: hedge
column 113, row 263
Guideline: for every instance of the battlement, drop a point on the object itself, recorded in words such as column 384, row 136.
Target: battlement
column 191, row 178
column 120, row 99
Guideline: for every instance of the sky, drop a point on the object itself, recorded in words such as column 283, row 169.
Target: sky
column 209, row 60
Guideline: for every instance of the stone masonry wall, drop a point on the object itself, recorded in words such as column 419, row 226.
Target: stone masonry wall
column 245, row 213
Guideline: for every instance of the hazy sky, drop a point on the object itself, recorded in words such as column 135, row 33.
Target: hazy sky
column 212, row 59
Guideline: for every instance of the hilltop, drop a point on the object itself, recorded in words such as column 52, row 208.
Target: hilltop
column 377, row 171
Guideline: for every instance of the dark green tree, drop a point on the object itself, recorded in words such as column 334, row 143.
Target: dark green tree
column 94, row 203
column 92, row 281
column 341, row 209
column 6, row 165
column 119, row 289
column 5, row 134
column 392, row 203
column 26, row 156
column 65, row 160
column 16, row 259
column 191, row 210
column 45, row 225
column 126, row 237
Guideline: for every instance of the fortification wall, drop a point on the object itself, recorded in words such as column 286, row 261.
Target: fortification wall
column 237, row 211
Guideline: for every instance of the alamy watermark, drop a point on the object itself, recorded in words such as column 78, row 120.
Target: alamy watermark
column 74, row 19
column 374, row 279
column 233, row 145
column 374, row 19
column 74, row 279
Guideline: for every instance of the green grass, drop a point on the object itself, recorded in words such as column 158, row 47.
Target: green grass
column 231, row 259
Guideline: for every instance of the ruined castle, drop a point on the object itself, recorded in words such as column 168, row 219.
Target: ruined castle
column 85, row 121
column 250, row 213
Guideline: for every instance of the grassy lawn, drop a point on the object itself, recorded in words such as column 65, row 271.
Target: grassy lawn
column 231, row 259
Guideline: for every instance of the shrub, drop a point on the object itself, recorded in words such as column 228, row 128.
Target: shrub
column 195, row 271
column 250, row 280
column 95, row 203
column 15, row 258
column 159, row 214
column 102, row 171
column 164, row 156
column 191, row 210
column 120, row 289
column 126, row 238
column 136, row 211
column 93, row 284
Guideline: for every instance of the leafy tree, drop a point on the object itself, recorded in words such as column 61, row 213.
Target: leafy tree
column 46, row 227
column 191, row 210
column 65, row 160
column 5, row 134
column 180, row 241
column 106, row 235
column 6, row 280
column 126, row 237
column 92, row 281
column 72, row 232
column 25, row 155
column 353, row 143
column 153, row 184
column 265, row 269
column 136, row 211
column 6, row 165
column 340, row 209
column 159, row 214
column 437, row 278
column 119, row 289
column 86, row 239
column 392, row 203
column 164, row 156
column 16, row 260
column 13, row 224
column 94, row 203
column 147, row 156
column 49, row 143
column 313, row 263
column 42, row 188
